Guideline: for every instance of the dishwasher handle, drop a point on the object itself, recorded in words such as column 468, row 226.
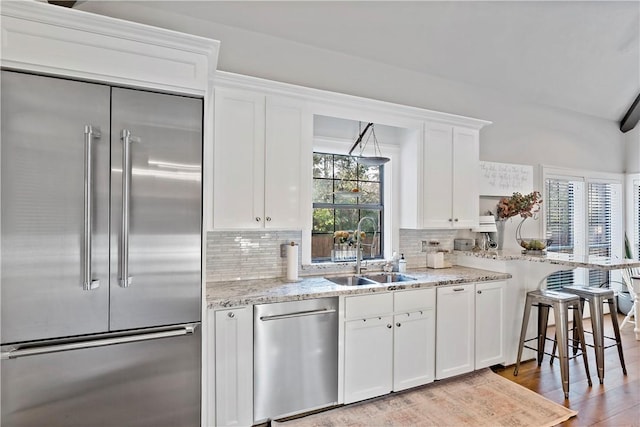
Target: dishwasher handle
column 298, row 314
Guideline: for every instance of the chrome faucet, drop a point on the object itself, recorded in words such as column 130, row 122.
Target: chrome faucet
column 359, row 267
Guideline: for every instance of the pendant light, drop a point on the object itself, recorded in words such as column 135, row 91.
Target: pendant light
column 376, row 159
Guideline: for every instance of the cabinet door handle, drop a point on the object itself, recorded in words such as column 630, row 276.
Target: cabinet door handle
column 268, row 218
column 258, row 219
column 479, row 292
column 389, row 325
column 450, row 220
column 398, row 324
column 456, row 220
column 231, row 315
column 458, row 289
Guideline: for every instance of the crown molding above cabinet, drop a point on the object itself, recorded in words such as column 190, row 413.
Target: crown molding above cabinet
column 104, row 49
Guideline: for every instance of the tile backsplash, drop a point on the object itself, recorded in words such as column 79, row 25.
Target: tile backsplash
column 411, row 245
column 247, row 254
column 256, row 254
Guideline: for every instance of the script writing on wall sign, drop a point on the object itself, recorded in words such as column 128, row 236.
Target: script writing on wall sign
column 503, row 179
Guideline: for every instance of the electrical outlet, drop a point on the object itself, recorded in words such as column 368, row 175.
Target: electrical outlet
column 424, row 246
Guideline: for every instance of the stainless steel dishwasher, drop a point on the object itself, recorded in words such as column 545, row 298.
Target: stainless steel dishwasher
column 295, row 357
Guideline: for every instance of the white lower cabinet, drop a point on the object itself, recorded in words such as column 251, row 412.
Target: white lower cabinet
column 469, row 328
column 389, row 343
column 490, row 312
column 413, row 349
column 368, row 358
column 455, row 336
column 233, row 355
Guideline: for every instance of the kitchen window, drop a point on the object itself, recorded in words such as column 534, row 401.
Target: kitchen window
column 344, row 192
column 583, row 217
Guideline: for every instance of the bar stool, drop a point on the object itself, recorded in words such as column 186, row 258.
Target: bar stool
column 597, row 297
column 560, row 302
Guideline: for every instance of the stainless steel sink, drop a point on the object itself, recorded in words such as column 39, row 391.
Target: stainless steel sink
column 351, row 280
column 370, row 279
column 390, row 277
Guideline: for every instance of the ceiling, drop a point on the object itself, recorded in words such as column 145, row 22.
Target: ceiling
column 579, row 56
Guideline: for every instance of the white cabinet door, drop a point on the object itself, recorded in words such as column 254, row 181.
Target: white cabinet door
column 414, row 349
column 234, row 367
column 438, row 186
column 455, row 333
column 465, row 203
column 368, row 358
column 261, row 150
column 451, row 163
column 286, row 134
column 238, row 196
column 489, row 324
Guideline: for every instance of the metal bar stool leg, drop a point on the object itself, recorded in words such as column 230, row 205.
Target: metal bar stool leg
column 577, row 311
column 543, row 322
column 560, row 312
column 597, row 317
column 613, row 309
column 523, row 333
column 583, row 347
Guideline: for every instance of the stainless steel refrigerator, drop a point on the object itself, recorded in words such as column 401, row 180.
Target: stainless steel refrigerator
column 101, row 255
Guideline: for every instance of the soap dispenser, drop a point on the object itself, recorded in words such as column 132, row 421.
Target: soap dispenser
column 402, row 265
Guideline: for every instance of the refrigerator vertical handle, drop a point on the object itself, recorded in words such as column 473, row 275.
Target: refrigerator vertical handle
column 127, row 139
column 88, row 284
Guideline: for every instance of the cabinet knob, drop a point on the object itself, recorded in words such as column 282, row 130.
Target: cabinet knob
column 268, row 218
column 479, row 292
column 450, row 220
column 456, row 220
column 258, row 219
column 231, row 314
column 398, row 324
column 389, row 325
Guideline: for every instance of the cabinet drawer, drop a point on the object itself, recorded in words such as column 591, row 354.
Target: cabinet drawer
column 414, row 299
column 368, row 305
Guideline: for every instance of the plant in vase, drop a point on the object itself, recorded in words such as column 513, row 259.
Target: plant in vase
column 344, row 245
column 526, row 206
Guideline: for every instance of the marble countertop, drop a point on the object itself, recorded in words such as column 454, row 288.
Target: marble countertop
column 573, row 261
column 259, row 291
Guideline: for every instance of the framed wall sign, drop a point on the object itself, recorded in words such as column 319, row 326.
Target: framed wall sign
column 504, row 179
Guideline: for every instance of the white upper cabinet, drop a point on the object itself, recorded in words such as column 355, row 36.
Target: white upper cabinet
column 238, row 157
column 450, row 173
column 288, row 149
column 259, row 146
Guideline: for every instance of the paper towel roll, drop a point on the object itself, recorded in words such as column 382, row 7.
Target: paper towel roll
column 292, row 262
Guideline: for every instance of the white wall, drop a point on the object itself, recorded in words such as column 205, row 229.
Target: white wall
column 521, row 133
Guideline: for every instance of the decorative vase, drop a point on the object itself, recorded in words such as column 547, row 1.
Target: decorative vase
column 519, row 232
column 500, row 233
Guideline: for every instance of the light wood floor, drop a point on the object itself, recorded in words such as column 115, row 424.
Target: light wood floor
column 615, row 403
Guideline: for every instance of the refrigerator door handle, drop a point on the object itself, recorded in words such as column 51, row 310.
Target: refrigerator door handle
column 127, row 139
column 90, row 132
column 16, row 352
